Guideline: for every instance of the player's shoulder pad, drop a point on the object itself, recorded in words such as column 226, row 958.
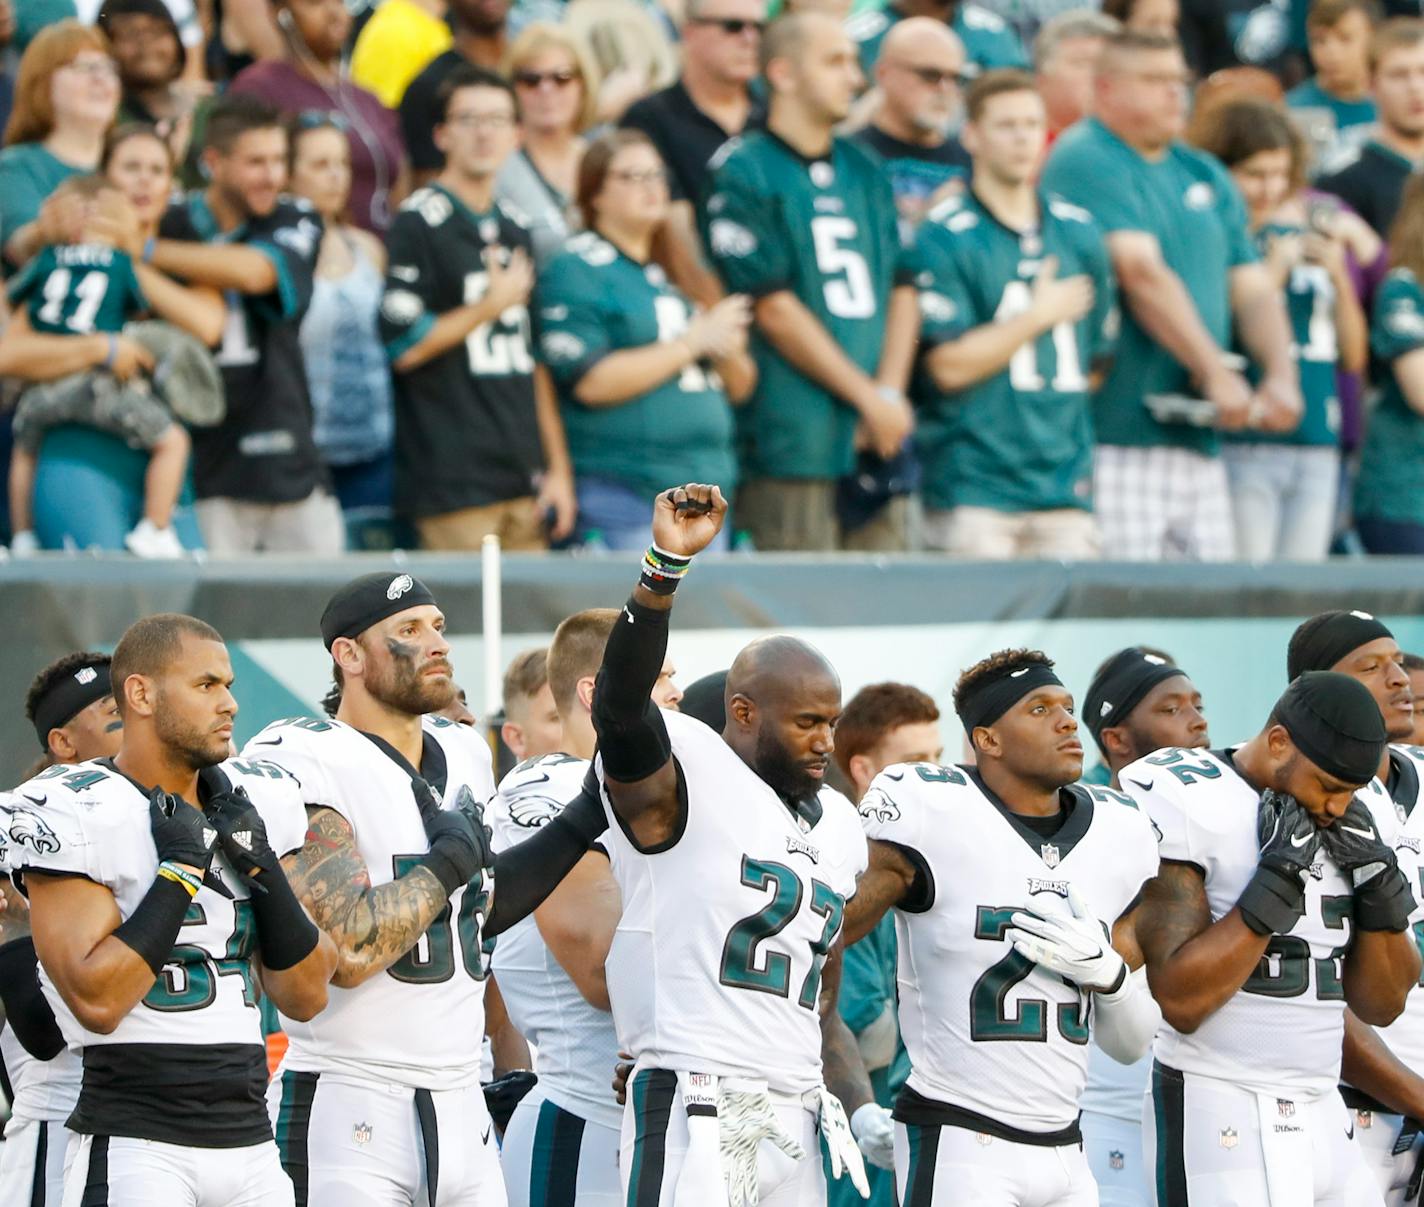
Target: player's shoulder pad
column 902, row 791
column 299, row 732
column 977, row 17
column 864, row 26
column 1415, row 754
column 57, row 819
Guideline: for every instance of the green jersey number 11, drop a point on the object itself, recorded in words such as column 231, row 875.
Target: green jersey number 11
column 1024, row 374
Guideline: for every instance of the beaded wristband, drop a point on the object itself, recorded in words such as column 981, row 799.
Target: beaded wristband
column 662, row 571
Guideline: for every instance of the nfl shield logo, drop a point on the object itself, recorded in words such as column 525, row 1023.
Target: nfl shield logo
column 1049, row 854
column 361, row 1133
column 1228, row 1137
column 1286, row 1107
column 1115, row 1159
column 1365, row 1119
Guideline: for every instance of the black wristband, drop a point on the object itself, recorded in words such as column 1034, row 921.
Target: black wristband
column 1385, row 905
column 443, row 868
column 1272, row 902
column 26, row 1010
column 285, row 935
column 152, row 928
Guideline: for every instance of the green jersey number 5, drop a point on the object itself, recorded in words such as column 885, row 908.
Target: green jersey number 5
column 848, row 290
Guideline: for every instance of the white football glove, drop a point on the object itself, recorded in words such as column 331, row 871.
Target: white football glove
column 1073, row 945
column 745, row 1118
column 841, row 1146
column 874, row 1131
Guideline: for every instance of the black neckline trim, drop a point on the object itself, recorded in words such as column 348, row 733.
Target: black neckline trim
column 1076, row 801
column 1403, row 786
column 434, row 769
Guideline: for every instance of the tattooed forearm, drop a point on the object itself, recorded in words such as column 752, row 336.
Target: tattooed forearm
column 371, row 926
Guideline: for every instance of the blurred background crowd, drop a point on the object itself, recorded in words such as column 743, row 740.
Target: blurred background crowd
column 994, row 278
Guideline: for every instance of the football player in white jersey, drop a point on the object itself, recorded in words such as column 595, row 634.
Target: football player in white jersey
column 1007, row 878
column 561, row 1146
column 379, row 1099
column 734, row 864
column 71, row 705
column 1280, row 902
column 1381, row 1069
column 1138, row 702
column 159, row 911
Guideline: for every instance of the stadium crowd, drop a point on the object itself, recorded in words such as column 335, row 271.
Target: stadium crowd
column 724, row 945
column 988, row 278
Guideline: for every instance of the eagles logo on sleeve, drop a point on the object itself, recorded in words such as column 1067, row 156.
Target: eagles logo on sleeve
column 533, row 811
column 27, row 829
column 876, row 806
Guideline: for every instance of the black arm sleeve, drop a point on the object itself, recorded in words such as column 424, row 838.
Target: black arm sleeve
column 527, row 873
column 26, row 1010
column 631, row 735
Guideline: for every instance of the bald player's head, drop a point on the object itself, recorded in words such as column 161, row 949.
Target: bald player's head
column 813, row 69
column 783, row 701
column 918, row 73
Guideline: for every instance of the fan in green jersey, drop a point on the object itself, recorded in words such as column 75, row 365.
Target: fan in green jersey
column 1017, row 304
column 804, row 222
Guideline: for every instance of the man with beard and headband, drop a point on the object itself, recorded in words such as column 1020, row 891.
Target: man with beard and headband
column 1280, row 903
column 561, row 1146
column 378, row 1100
column 1006, row 879
column 1139, row 702
column 121, row 858
column 1380, row 1068
column 734, row 863
column 71, row 705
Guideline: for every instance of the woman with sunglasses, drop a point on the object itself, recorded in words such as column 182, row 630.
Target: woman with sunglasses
column 66, row 95
column 347, row 371
column 640, row 374
column 557, row 86
column 313, row 79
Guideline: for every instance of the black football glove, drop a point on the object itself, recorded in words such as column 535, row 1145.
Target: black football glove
column 1289, row 839
column 242, row 834
column 1382, row 897
column 459, row 843
column 180, row 832
column 505, row 1093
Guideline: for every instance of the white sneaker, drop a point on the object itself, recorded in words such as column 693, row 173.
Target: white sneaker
column 148, row 540
column 24, row 544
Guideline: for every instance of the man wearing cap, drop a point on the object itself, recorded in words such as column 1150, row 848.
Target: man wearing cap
column 378, row 1099
column 1380, row 1069
column 1006, row 877
column 1280, row 902
column 1139, row 702
column 71, row 705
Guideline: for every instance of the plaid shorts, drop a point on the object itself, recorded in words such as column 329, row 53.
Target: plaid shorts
column 96, row 399
column 1162, row 504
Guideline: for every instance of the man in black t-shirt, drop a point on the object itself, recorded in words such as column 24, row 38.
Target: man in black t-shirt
column 260, row 483
column 1373, row 179
column 918, row 73
column 479, row 444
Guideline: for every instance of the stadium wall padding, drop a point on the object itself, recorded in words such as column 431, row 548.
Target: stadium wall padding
column 916, row 619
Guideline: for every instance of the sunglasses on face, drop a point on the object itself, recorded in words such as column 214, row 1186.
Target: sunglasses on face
column 936, row 78
column 730, row 25
column 533, row 79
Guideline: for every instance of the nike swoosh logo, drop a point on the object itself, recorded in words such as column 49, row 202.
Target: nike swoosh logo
column 269, row 742
column 34, row 800
column 487, row 1134
column 543, row 779
column 1147, row 787
column 1301, row 841
column 895, row 775
column 1361, row 833
column 1350, row 1135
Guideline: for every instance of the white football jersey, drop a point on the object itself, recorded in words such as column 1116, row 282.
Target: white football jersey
column 1405, row 1036
column 987, row 1030
column 43, row 1090
column 716, row 964
column 420, row 1022
column 576, row 1044
column 89, row 819
column 1282, row 1031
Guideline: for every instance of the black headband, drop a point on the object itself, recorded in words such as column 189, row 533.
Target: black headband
column 1119, row 687
column 68, row 696
column 1323, row 640
column 368, row 600
column 990, row 698
column 1334, row 721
